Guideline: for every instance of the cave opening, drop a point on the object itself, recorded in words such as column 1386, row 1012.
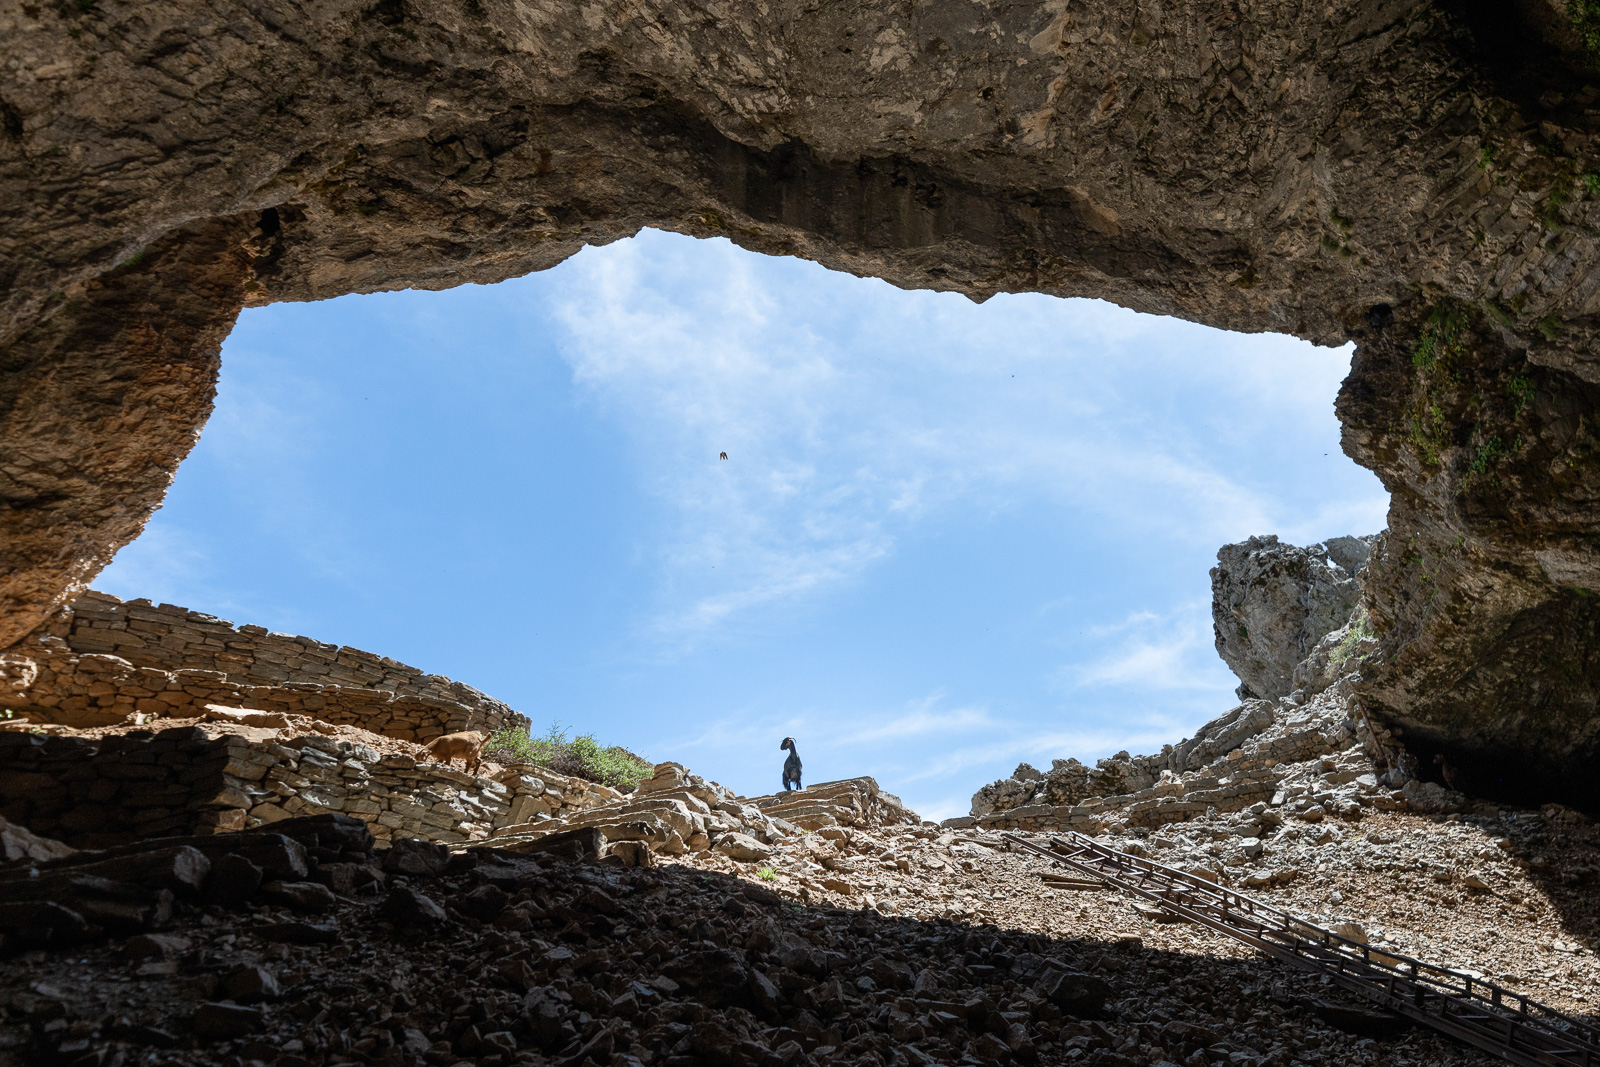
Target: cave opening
column 949, row 536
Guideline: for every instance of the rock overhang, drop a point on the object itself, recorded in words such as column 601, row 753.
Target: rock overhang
column 1410, row 176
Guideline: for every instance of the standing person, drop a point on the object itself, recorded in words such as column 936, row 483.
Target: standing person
column 791, row 766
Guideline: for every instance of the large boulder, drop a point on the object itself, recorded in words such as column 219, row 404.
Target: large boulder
column 1272, row 602
column 1007, row 793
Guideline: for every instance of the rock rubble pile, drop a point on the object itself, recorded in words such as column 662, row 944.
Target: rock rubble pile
column 676, row 812
column 1301, row 760
column 945, row 949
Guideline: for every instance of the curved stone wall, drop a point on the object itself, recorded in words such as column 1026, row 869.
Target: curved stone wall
column 101, row 659
column 171, row 638
column 1416, row 176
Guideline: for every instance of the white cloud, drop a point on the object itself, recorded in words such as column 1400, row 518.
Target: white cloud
column 863, row 424
column 1174, row 651
column 918, row 749
column 836, row 456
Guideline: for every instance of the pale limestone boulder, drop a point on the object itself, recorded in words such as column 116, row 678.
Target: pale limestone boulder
column 1272, row 602
column 742, row 847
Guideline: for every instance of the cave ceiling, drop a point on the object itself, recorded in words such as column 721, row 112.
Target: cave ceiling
column 1420, row 178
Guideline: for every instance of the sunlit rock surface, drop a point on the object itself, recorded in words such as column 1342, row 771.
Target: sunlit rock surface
column 1271, row 603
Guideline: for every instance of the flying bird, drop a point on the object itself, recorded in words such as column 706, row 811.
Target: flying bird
column 723, row 456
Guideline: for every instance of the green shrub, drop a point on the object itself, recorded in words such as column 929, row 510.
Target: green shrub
column 1585, row 16
column 1346, row 649
column 578, row 757
column 1522, row 388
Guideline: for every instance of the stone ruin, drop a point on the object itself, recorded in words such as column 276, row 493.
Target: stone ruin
column 139, row 721
column 100, row 660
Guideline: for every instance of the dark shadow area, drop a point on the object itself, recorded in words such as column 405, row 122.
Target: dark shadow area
column 1525, row 49
column 415, row 957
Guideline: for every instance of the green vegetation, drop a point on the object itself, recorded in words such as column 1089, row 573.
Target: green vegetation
column 1500, row 313
column 1429, row 433
column 1522, row 388
column 577, row 757
column 1439, row 335
column 7, row 715
column 1487, row 453
column 1359, row 630
column 1556, row 199
column 766, row 874
column 1443, row 336
column 1585, row 16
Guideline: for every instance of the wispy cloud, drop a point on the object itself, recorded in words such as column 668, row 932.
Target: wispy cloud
column 836, row 456
column 1172, row 651
column 165, row 559
column 921, row 747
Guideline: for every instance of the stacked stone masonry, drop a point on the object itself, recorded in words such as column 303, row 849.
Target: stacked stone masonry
column 98, row 792
column 849, row 802
column 103, row 659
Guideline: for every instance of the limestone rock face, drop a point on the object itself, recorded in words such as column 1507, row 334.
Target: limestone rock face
column 1482, row 590
column 1406, row 174
column 1271, row 603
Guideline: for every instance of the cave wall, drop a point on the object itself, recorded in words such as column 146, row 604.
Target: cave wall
column 1416, row 175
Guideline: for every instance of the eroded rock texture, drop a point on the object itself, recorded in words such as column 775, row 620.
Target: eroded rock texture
column 1413, row 175
column 1271, row 603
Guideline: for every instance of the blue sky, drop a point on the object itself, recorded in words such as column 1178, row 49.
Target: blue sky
column 948, row 536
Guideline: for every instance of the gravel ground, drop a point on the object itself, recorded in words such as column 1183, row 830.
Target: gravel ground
column 1510, row 897
column 898, row 946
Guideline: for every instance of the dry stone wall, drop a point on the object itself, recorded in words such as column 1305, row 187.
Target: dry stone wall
column 849, row 802
column 100, row 792
column 397, row 796
column 175, row 638
column 102, row 659
column 678, row 813
column 95, row 793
